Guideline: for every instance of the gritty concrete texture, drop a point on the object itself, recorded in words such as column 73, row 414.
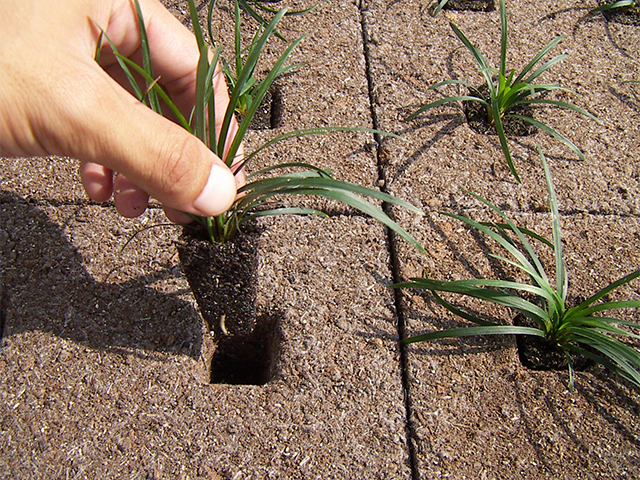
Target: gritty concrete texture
column 103, row 353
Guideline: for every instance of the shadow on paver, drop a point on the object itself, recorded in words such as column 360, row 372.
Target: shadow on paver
column 48, row 289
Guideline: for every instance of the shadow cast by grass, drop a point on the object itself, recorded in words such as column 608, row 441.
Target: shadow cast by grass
column 453, row 121
column 631, row 99
column 608, row 394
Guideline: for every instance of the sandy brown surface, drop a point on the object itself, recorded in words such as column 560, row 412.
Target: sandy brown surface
column 103, row 350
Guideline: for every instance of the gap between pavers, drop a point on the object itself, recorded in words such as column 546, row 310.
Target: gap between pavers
column 476, row 412
column 411, row 51
column 470, row 401
column 100, row 379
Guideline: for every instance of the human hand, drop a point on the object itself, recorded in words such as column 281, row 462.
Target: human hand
column 56, row 100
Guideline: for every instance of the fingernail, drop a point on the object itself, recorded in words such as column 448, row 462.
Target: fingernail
column 218, row 194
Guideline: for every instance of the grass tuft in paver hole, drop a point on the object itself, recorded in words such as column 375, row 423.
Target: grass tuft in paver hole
column 464, row 5
column 626, row 12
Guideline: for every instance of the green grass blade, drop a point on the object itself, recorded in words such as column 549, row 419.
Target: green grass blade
column 146, row 60
column 526, row 231
column 312, row 169
column 602, row 361
column 195, row 23
column 251, row 61
column 499, row 297
column 332, row 189
column 442, row 101
column 124, row 63
column 579, row 319
column 558, row 103
column 561, row 279
column 477, row 55
column 174, row 110
column 286, row 211
column 605, row 324
column 502, row 137
column 475, row 331
column 626, row 359
column 211, row 101
column 546, row 66
column 503, row 40
column 601, row 307
column 538, row 57
column 601, row 293
column 552, row 132
column 259, row 18
column 439, row 7
column 615, row 5
column 200, row 111
column 522, row 261
column 539, row 268
column 258, row 95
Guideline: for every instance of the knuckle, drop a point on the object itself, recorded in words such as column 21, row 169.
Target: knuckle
column 180, row 174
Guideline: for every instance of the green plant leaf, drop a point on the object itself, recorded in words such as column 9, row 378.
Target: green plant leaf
column 174, row 110
column 442, row 101
column 537, row 58
column 561, row 274
column 146, row 60
column 475, row 331
column 552, row 132
column 620, row 4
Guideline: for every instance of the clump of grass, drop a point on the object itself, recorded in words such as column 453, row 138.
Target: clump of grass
column 621, row 5
column 441, row 4
column 574, row 330
column 509, row 90
column 254, row 7
column 257, row 197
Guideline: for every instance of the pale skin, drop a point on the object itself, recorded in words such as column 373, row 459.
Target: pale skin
column 55, row 99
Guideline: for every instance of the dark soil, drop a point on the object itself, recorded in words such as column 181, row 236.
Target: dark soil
column 269, row 114
column 537, row 353
column 222, row 277
column 625, row 16
column 478, row 118
column 470, row 5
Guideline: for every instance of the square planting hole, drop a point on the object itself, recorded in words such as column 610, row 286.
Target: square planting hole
column 268, row 116
column 470, row 5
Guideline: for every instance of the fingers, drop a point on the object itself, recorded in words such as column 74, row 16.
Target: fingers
column 129, row 200
column 155, row 154
column 56, row 99
column 97, row 181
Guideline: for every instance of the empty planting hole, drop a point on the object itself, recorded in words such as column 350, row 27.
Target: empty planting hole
column 625, row 16
column 248, row 358
column 269, row 114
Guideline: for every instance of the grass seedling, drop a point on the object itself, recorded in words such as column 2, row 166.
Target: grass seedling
column 441, row 4
column 256, row 198
column 509, row 90
column 233, row 71
column 248, row 6
column 575, row 330
column 622, row 5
